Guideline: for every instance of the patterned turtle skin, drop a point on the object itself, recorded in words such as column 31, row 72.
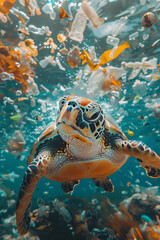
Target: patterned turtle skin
column 82, row 143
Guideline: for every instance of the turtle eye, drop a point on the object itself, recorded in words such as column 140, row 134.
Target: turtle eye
column 62, row 101
column 92, row 112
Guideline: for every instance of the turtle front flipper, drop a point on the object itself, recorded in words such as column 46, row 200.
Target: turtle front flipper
column 32, row 176
column 145, row 155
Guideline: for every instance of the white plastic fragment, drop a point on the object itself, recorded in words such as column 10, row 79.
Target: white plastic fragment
column 92, row 53
column 133, row 36
column 3, row 18
column 18, row 93
column 44, row 62
column 141, row 45
column 118, row 27
column 142, row 2
column 112, row 40
column 145, row 36
column 43, row 105
column 78, row 26
column 4, row 76
column 59, row 64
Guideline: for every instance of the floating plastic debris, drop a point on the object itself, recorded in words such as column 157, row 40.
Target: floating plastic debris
column 140, row 88
column 119, row 25
column 31, row 6
column 102, row 80
column 50, row 42
column 78, row 26
column 48, row 9
column 130, row 133
column 21, row 15
column 133, row 36
column 94, row 19
column 43, row 63
column 105, row 57
column 6, row 5
column 3, row 18
column 73, row 57
column 16, row 143
column 36, row 30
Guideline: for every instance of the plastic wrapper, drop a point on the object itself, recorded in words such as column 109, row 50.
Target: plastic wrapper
column 102, row 80
column 78, row 26
column 16, row 143
column 140, row 88
column 91, row 14
column 62, row 210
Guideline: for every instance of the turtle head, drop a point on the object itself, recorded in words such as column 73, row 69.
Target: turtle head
column 80, row 120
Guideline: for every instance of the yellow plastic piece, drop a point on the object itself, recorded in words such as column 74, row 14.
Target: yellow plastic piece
column 130, row 133
column 85, row 56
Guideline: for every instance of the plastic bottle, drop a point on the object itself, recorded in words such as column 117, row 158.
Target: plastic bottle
column 44, row 62
column 78, row 26
column 91, row 14
column 114, row 42
column 48, row 9
column 15, row 11
column 120, row 24
column 35, row 30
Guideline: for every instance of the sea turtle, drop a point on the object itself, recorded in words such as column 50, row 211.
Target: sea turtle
column 82, row 143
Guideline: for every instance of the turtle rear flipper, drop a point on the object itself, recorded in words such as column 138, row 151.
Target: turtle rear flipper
column 145, row 155
column 105, row 183
column 69, row 186
column 32, row 176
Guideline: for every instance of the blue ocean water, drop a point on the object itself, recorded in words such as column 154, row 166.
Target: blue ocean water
column 131, row 96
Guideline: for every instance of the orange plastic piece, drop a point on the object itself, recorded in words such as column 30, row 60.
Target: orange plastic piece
column 50, row 42
column 85, row 56
column 63, row 13
column 12, row 61
column 61, row 37
column 29, row 47
column 6, row 5
column 30, row 6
